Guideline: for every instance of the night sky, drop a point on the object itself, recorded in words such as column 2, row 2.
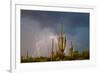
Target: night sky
column 39, row 27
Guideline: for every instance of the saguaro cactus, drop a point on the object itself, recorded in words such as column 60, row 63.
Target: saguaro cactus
column 61, row 42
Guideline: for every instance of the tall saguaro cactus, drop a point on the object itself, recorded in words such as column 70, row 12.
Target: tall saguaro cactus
column 61, row 42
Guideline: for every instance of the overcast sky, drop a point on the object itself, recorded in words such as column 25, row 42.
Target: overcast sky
column 39, row 27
